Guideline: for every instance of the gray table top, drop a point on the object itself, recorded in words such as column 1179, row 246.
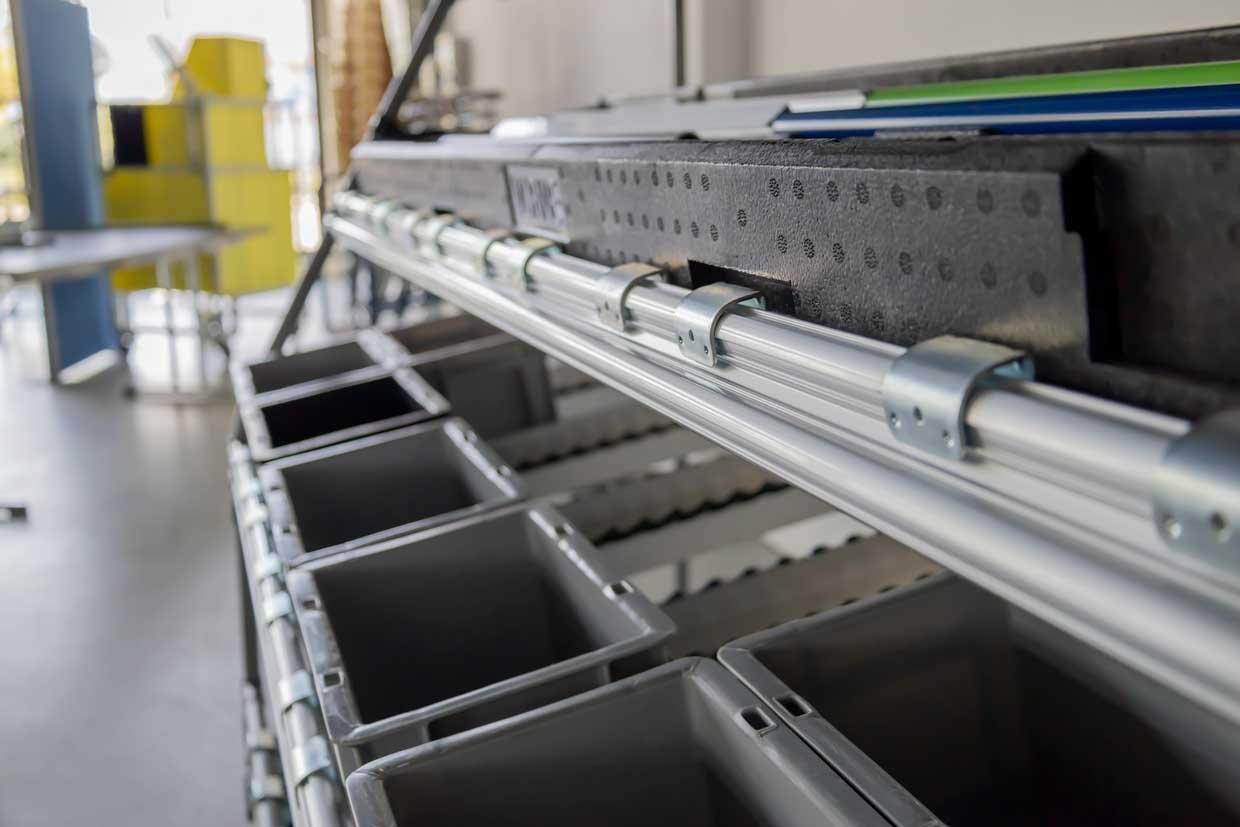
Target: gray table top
column 69, row 253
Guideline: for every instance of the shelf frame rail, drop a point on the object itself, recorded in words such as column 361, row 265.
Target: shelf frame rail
column 313, row 791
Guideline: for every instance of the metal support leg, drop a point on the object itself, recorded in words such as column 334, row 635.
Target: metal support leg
column 163, row 277
column 383, row 124
column 309, row 276
column 325, row 305
column 123, row 318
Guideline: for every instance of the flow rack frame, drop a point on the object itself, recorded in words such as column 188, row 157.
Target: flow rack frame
column 1117, row 525
column 1070, row 507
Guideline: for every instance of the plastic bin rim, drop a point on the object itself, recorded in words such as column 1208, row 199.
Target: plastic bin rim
column 431, row 402
column 381, row 346
column 288, row 542
column 687, row 668
column 775, row 743
column 768, row 637
column 872, row 782
column 243, row 383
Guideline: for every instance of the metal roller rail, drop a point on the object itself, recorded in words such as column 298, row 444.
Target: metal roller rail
column 1051, row 506
column 641, row 502
column 266, row 795
column 554, row 441
column 314, row 794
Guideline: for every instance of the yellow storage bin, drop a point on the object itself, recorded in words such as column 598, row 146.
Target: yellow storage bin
column 226, row 66
column 215, row 131
column 239, row 198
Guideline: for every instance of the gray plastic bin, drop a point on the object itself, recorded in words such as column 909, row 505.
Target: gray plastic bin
column 405, row 345
column 683, row 745
column 497, row 383
column 337, row 411
column 301, row 372
column 384, row 486
column 940, row 698
column 455, row 627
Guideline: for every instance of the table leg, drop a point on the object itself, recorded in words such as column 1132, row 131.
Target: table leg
column 191, row 277
column 163, row 277
column 123, row 318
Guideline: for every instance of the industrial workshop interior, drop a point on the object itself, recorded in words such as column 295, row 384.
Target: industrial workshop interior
column 585, row 413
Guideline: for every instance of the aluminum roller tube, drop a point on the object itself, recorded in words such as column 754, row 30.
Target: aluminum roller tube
column 1066, row 537
column 1115, row 447
column 261, row 764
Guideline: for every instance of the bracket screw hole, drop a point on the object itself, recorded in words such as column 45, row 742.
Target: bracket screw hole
column 918, row 416
column 948, row 441
column 1172, row 527
column 617, row 589
column 894, row 419
column 690, row 335
column 1222, row 529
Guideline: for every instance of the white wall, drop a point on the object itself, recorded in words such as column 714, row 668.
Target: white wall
column 718, row 40
column 801, row 35
column 548, row 54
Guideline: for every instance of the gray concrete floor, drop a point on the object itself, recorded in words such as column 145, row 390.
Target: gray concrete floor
column 119, row 618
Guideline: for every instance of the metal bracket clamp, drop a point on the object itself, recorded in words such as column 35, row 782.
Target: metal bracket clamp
column 927, row 389
column 255, row 513
column 261, row 740
column 266, row 788
column 351, row 205
column 401, row 228
column 295, row 688
column 314, row 755
column 277, row 606
column 267, row 565
column 614, row 287
column 698, row 313
column 379, row 212
column 1197, row 490
column 251, row 488
column 492, row 237
column 428, row 232
column 533, row 247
